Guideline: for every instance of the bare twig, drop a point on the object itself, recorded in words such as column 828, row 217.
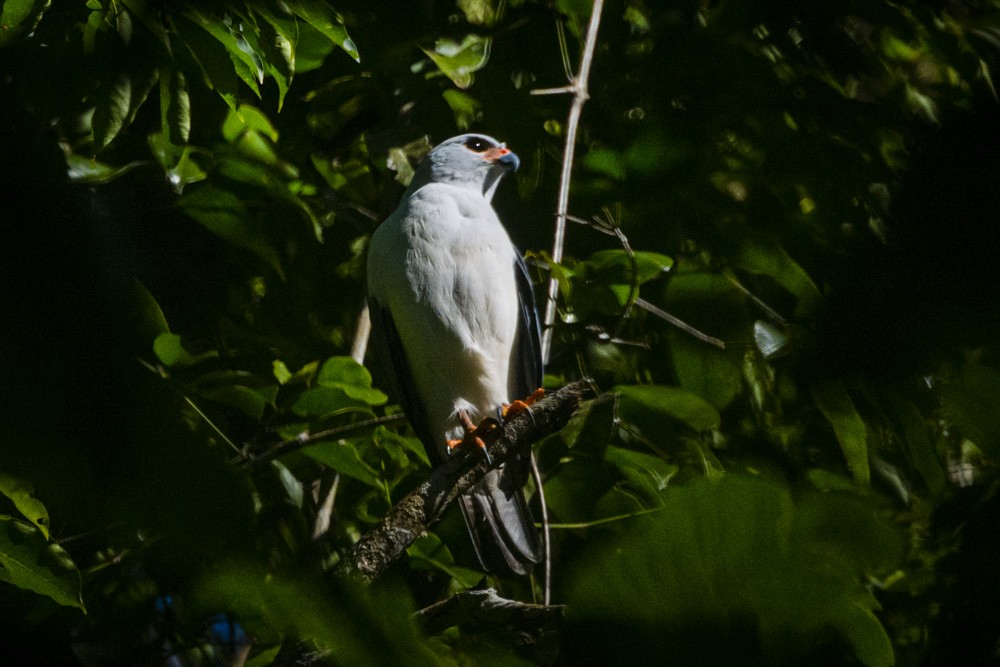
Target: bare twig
column 486, row 608
column 546, row 544
column 305, row 439
column 680, row 324
column 580, row 95
column 417, row 511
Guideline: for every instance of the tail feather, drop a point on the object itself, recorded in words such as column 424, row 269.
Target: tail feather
column 503, row 532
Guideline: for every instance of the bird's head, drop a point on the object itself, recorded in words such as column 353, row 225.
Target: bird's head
column 475, row 160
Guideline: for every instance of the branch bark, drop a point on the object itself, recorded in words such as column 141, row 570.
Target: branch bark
column 417, row 511
column 486, row 608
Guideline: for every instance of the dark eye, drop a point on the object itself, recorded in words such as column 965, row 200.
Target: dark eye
column 477, row 145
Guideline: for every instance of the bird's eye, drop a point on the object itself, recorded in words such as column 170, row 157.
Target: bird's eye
column 477, row 145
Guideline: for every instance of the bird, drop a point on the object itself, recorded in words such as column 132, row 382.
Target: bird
column 453, row 318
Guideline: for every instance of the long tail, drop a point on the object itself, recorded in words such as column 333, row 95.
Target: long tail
column 499, row 521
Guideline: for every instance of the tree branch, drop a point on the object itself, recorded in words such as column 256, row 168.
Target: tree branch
column 580, row 95
column 487, row 609
column 417, row 511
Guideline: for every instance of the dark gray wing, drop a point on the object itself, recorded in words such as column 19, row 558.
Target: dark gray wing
column 387, row 349
column 500, row 523
column 528, row 368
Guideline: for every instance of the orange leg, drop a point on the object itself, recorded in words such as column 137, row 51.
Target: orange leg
column 519, row 406
column 475, row 435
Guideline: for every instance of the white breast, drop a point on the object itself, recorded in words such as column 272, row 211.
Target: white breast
column 444, row 267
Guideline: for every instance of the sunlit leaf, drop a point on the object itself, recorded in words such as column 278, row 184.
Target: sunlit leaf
column 175, row 107
column 212, row 58
column 327, row 401
column 30, row 562
column 171, row 352
column 350, row 376
column 459, row 61
column 323, row 18
column 245, row 62
column 19, row 18
column 342, row 456
column 22, row 494
column 82, row 169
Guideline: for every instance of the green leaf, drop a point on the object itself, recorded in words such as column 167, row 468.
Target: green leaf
column 19, row 18
column 343, row 457
column 356, row 624
column 149, row 18
column 247, row 118
column 460, row 60
column 466, row 109
column 337, row 371
column 770, row 259
column 168, row 349
column 737, row 565
column 574, row 490
column 648, row 403
column 21, row 492
column 328, row 401
column 606, row 162
column 386, row 438
column 293, row 487
column 353, row 378
column 211, row 56
column 175, row 107
column 835, row 404
column 224, row 214
column 177, row 161
column 705, row 370
column 251, row 401
column 89, row 170
column 648, row 474
column 911, row 429
column 615, row 266
column 323, row 18
column 277, row 46
column 111, row 114
column 281, row 372
column 973, row 403
column 245, row 62
column 430, row 551
column 33, row 564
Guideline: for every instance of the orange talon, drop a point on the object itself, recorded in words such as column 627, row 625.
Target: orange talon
column 519, row 406
column 475, row 435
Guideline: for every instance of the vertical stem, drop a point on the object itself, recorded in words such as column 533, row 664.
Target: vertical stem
column 580, row 96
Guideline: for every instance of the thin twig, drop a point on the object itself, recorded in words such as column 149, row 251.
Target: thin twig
column 580, row 96
column 305, row 438
column 683, row 326
column 775, row 315
column 546, row 545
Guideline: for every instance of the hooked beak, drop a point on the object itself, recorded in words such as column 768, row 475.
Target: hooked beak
column 504, row 157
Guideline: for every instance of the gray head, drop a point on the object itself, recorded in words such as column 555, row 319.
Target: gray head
column 468, row 159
